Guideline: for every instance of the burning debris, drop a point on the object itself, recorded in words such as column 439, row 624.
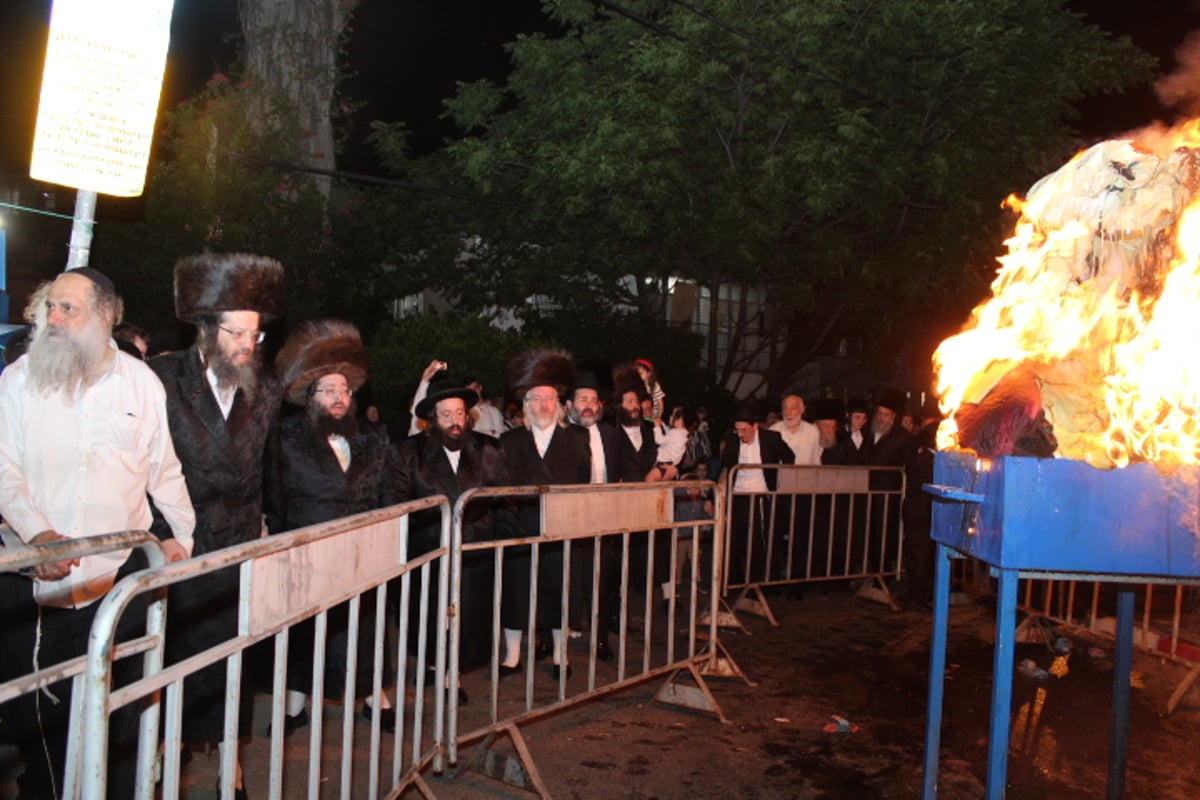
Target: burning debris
column 1088, row 343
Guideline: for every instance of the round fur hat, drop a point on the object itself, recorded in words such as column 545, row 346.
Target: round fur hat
column 626, row 379
column 214, row 282
column 540, row 367
column 317, row 349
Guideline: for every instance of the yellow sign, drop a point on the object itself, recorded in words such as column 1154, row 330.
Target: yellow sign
column 100, row 90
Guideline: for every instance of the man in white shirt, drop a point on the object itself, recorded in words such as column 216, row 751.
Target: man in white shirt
column 84, row 443
column 801, row 436
column 488, row 419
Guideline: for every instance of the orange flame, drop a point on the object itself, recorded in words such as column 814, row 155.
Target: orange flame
column 1099, row 295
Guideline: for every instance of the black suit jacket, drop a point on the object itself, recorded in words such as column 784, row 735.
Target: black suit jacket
column 772, row 448
column 568, row 460
column 620, row 459
column 423, row 470
column 897, row 449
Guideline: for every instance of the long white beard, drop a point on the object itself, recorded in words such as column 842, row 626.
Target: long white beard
column 59, row 362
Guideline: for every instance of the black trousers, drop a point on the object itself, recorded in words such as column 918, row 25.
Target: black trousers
column 35, row 723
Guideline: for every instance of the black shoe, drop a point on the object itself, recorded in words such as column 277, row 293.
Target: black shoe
column 506, row 670
column 557, row 672
column 603, row 651
column 541, row 652
column 463, row 697
column 387, row 717
column 291, row 724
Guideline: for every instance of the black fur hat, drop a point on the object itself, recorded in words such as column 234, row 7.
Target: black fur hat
column 317, row 349
column 626, row 379
column 540, row 367
column 214, row 282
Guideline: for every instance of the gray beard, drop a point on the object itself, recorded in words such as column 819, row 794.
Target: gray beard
column 232, row 376
column 61, row 363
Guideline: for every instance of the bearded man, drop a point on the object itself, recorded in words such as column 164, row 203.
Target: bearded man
column 888, row 444
column 449, row 458
column 223, row 406
column 548, row 450
column 83, row 442
column 330, row 469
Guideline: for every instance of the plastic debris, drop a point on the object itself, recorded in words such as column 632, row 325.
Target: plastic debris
column 1029, row 668
column 1061, row 646
column 840, row 725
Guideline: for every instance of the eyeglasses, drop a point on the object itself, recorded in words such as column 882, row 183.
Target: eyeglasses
column 238, row 336
column 336, row 391
column 542, row 399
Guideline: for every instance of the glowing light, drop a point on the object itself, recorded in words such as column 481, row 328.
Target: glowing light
column 100, row 91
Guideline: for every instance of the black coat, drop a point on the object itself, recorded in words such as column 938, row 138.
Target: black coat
column 897, row 449
column 231, row 474
column 772, row 449
column 637, row 467
column 423, row 470
column 316, row 490
column 315, row 487
column 568, row 460
column 620, row 459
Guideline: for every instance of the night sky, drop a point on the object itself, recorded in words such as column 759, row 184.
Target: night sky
column 407, row 56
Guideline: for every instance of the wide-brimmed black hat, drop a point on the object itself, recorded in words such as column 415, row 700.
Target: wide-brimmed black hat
column 826, row 408
column 443, row 390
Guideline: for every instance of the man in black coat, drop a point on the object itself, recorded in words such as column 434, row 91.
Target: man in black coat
column 612, row 458
column 449, row 458
column 223, row 410
column 547, row 450
column 751, row 512
column 330, row 469
column 888, row 444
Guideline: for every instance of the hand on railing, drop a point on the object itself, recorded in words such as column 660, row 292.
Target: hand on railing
column 55, row 570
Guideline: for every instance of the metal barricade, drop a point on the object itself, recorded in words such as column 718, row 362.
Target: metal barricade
column 24, row 558
column 1169, row 624
column 820, row 524
column 284, row 580
column 670, row 633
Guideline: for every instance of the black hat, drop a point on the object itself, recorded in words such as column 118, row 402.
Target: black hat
column 211, row 283
column 443, row 390
column 826, row 408
column 746, row 411
column 95, row 276
column 893, row 399
column 540, row 367
column 856, row 404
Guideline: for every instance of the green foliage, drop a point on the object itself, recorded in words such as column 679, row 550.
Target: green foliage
column 468, row 343
column 843, row 155
column 224, row 186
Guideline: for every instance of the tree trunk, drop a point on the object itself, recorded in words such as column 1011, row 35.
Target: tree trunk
column 291, row 51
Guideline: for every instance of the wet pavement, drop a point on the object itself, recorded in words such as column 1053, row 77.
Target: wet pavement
column 832, row 655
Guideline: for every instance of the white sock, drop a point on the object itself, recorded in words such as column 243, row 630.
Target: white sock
column 512, row 647
column 294, row 702
column 560, row 646
column 666, row 590
column 384, row 703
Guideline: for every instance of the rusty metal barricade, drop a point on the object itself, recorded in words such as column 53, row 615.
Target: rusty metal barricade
column 22, row 559
column 283, row 580
column 1169, row 624
column 820, row 524
column 637, row 523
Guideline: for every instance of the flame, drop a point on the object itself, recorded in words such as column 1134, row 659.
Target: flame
column 1099, row 295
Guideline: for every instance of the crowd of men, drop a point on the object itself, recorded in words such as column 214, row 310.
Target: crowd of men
column 198, row 447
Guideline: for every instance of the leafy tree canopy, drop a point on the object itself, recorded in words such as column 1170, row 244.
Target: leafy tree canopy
column 845, row 155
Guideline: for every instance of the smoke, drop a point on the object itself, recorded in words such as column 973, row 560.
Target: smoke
column 1181, row 89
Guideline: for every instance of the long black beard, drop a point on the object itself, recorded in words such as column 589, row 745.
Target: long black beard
column 228, row 374
column 59, row 362
column 327, row 426
column 439, row 436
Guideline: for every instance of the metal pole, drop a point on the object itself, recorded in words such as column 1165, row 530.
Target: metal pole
column 81, row 229
column 1122, row 668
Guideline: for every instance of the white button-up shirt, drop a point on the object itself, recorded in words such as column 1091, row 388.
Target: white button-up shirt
column 83, row 467
column 805, row 441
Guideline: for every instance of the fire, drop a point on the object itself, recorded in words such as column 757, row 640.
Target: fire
column 1099, row 296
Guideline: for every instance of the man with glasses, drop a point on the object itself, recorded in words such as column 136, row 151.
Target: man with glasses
column 223, row 408
column 330, row 469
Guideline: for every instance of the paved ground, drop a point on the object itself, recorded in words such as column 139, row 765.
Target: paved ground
column 835, row 655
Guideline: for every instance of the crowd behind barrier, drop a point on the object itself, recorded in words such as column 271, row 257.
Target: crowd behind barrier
column 665, row 626
column 822, row 523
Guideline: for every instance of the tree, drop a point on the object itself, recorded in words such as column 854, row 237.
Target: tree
column 847, row 158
